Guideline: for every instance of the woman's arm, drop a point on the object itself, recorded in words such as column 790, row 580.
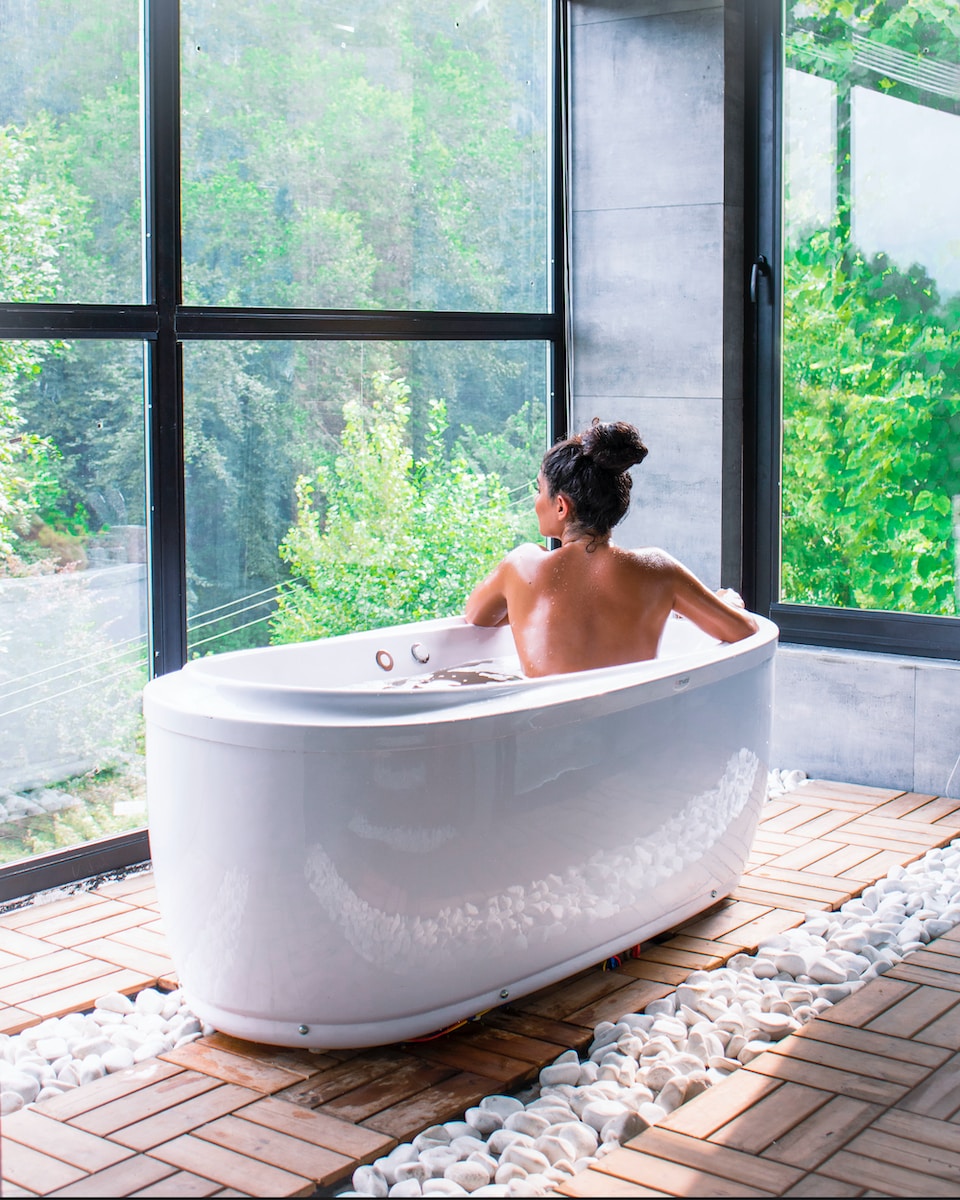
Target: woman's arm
column 487, row 603
column 721, row 617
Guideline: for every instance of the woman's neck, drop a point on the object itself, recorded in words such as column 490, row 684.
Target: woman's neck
column 574, row 535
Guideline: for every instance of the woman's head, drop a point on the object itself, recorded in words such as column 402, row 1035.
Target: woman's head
column 592, row 469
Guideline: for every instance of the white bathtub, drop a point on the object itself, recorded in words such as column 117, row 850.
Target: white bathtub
column 346, row 867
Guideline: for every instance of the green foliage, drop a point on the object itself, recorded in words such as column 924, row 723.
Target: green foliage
column 514, row 455
column 871, row 433
column 381, row 538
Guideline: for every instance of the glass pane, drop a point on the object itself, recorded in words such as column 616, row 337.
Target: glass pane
column 72, row 593
column 70, row 152
column 388, row 154
column 349, row 485
column 871, row 308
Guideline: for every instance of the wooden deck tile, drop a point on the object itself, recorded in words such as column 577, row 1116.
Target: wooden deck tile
column 110, row 950
column 865, row 1005
column 889, row 1178
column 23, row 945
column 39, row 1173
column 770, row 1118
column 363, row 1068
column 945, row 1030
column 868, row 1041
column 675, row 1178
column 73, row 1146
column 839, row 859
column 562, row 1000
column 939, row 1094
column 79, row 916
column 103, row 928
column 144, row 937
column 722, row 923
column 690, row 960
column 106, row 1119
column 830, row 1079
column 410, row 1079
column 72, row 999
column 813, row 1139
column 796, row 814
column 231, row 1169
column 747, row 937
column 824, row 823
column 136, row 884
column 704, row 1115
column 276, row 1148
column 232, row 1068
column 907, row 804
column 942, row 953
column 72, row 1103
column 15, row 1020
column 183, row 1117
column 319, row 1128
column 682, row 941
column 30, row 914
column 595, row 1183
column 80, row 972
column 303, row 1063
column 520, row 1047
column 753, row 891
column 735, row 1165
column 184, row 1183
column 891, row 1147
column 932, row 976
column 656, row 972
column 815, row 1184
column 460, row 1051
column 914, row 1012
column 33, row 969
column 632, row 997
column 830, row 789
column 124, row 1179
column 562, row 1034
column 405, row 1120
column 844, row 1057
column 807, row 855
column 916, row 1128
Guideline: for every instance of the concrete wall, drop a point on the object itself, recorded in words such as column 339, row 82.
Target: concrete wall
column 658, row 276
column 656, row 203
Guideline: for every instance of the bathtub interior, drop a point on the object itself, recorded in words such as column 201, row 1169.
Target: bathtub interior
column 384, row 658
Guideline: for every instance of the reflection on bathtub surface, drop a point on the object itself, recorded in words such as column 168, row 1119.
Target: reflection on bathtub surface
column 603, row 885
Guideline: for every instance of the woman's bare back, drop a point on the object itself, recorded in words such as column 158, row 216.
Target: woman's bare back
column 591, row 604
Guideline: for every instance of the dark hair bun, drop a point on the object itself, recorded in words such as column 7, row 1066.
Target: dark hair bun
column 613, row 445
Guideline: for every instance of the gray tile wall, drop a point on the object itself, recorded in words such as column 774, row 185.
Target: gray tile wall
column 658, row 276
column 650, row 264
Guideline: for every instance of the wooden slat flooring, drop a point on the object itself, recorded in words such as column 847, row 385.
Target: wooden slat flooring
column 865, row 1100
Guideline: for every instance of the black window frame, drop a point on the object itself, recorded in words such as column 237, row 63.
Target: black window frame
column 164, row 324
column 834, row 628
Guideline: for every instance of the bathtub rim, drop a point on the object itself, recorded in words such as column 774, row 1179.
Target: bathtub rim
column 199, row 700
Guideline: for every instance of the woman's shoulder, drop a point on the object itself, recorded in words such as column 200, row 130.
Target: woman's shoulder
column 650, row 558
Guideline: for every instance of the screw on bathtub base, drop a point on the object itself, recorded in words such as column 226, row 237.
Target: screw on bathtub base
column 713, row 894
column 303, row 1030
column 504, row 994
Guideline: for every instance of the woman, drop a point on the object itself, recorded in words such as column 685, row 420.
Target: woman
column 589, row 603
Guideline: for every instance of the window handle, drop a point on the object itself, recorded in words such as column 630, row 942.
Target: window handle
column 760, row 267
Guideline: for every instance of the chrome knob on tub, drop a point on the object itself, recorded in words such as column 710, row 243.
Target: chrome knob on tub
column 420, row 652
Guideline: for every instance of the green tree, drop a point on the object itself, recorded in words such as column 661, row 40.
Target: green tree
column 871, row 433
column 382, row 538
